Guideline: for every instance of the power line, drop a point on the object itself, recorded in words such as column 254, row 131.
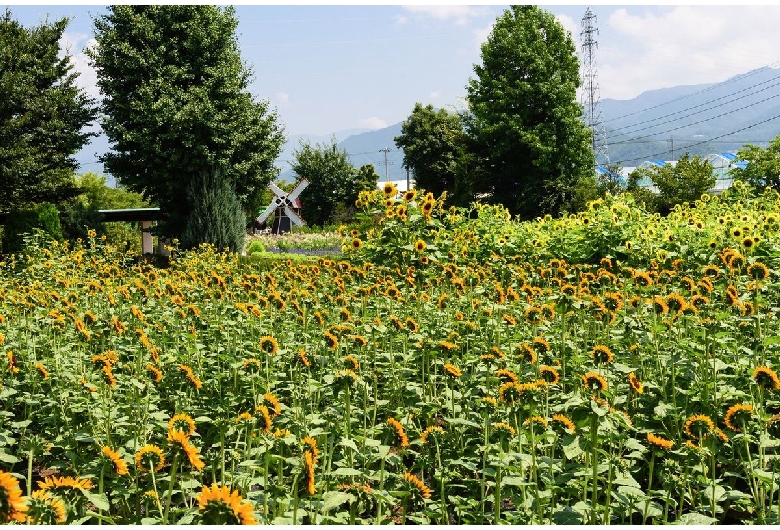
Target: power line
column 712, row 87
column 699, row 143
column 701, row 105
column 701, row 121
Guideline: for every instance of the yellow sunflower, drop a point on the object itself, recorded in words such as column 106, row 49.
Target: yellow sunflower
column 150, row 455
column 119, row 464
column 12, row 504
column 221, row 505
column 418, row 485
column 183, row 423
column 269, row 345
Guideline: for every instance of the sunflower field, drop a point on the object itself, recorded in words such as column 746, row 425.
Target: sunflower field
column 453, row 366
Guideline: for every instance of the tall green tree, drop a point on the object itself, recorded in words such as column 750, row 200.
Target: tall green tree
column 176, row 106
column 763, row 165
column 524, row 115
column 432, row 141
column 43, row 115
column 334, row 183
column 684, row 181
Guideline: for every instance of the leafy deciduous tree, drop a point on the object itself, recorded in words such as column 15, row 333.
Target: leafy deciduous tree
column 432, row 141
column 333, row 180
column 684, row 181
column 177, row 105
column 524, row 114
column 763, row 165
column 42, row 115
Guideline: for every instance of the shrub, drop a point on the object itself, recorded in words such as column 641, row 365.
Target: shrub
column 215, row 215
column 255, row 247
column 20, row 222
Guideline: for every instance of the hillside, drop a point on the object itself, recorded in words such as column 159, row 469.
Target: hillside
column 707, row 118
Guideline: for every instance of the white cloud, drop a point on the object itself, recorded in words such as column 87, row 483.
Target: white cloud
column 401, row 20
column 644, row 49
column 461, row 14
column 373, row 123
column 481, row 35
column 281, row 98
column 74, row 44
column 569, row 25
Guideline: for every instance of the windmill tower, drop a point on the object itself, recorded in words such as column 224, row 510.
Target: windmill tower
column 284, row 206
column 591, row 98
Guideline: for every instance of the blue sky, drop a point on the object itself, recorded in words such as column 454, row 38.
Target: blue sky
column 332, row 68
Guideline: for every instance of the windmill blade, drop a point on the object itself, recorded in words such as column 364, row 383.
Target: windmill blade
column 299, row 187
column 294, row 217
column 268, row 211
column 276, row 189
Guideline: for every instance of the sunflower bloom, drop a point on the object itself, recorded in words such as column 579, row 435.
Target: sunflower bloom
column 312, row 445
column 154, row 372
column 267, row 420
column 602, row 354
column 737, row 412
column 253, row 363
column 309, row 463
column 269, row 345
column 45, row 508
column 758, row 271
column 592, row 380
column 699, row 426
column 351, row 362
column 549, row 374
column 506, row 375
column 332, row 340
column 150, row 455
column 12, row 504
column 220, row 505
column 418, row 484
column 766, row 378
column 303, row 358
column 536, row 419
column 658, row 441
column 399, row 429
column 452, row 370
column 503, row 427
column 636, row 385
column 191, row 452
column 13, row 365
column 430, row 430
column 182, row 423
column 566, row 422
column 75, row 483
column 191, row 376
column 119, row 464
column 42, row 369
column 275, row 405
column 525, row 351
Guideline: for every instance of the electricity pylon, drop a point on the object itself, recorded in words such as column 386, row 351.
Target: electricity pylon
column 591, row 99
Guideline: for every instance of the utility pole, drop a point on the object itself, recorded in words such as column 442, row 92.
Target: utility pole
column 671, row 141
column 385, row 151
column 591, row 99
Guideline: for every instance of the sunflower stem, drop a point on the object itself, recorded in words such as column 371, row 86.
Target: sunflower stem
column 170, row 488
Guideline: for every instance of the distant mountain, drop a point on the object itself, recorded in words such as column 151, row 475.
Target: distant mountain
column 363, row 147
column 701, row 119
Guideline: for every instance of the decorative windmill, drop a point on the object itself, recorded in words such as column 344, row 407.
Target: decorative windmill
column 284, row 205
